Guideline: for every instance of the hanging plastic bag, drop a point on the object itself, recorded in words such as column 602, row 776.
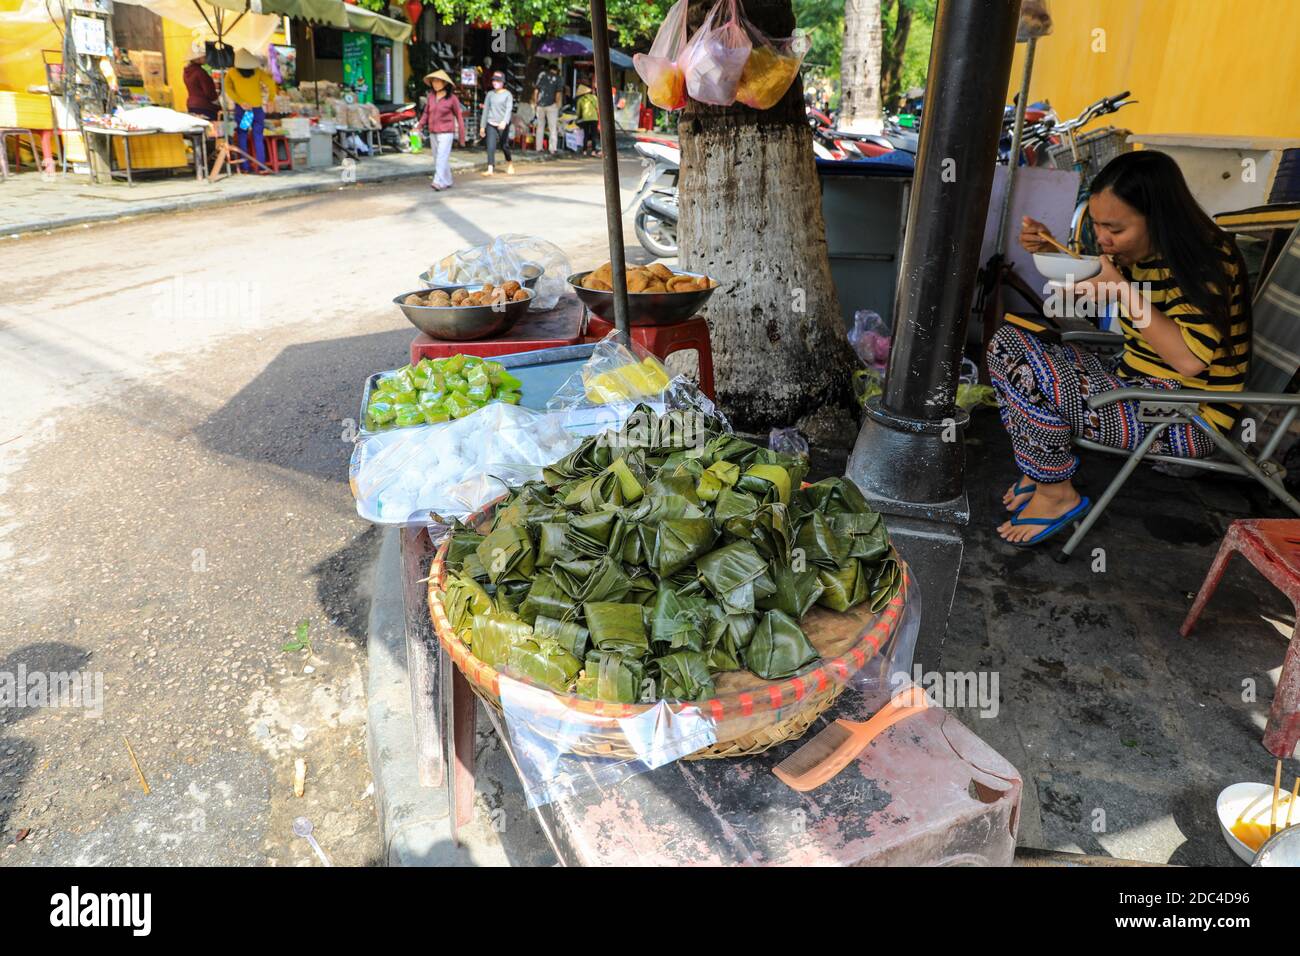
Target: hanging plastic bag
column 715, row 57
column 771, row 68
column 665, row 82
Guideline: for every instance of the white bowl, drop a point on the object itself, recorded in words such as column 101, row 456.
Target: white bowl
column 1063, row 268
column 1252, row 802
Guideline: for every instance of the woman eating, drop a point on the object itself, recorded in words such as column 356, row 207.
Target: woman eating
column 445, row 120
column 1179, row 285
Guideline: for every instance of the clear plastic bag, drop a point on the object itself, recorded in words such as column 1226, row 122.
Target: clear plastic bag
column 788, row 441
column 551, row 742
column 665, row 82
column 615, row 380
column 871, row 338
column 453, row 468
column 510, row 256
column 771, row 68
column 715, row 57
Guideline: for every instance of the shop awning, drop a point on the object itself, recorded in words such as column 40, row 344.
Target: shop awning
column 329, row 12
column 363, row 21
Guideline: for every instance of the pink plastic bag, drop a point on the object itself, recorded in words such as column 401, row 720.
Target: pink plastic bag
column 715, row 57
column 664, row 80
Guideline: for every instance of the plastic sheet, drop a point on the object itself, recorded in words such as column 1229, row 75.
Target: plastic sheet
column 891, row 668
column 453, row 468
column 551, row 742
column 665, row 82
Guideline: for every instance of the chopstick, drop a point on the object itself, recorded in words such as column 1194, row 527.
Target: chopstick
column 1069, row 251
column 1277, row 786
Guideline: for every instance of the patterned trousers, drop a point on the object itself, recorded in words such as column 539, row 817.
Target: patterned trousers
column 1043, row 390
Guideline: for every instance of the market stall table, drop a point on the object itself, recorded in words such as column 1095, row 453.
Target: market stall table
column 198, row 138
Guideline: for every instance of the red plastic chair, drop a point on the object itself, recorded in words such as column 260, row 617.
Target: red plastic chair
column 663, row 340
column 279, row 153
column 1273, row 546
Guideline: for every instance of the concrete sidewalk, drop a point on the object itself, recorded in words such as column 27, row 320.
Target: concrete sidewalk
column 29, row 203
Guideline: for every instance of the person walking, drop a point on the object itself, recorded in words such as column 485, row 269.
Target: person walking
column 494, row 123
column 444, row 119
column 546, row 101
column 248, row 86
column 588, row 119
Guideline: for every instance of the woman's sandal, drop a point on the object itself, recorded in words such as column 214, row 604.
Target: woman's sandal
column 1019, row 490
column 1051, row 525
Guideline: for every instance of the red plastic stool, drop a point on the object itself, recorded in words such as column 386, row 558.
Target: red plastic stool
column 663, row 340
column 279, row 155
column 1272, row 545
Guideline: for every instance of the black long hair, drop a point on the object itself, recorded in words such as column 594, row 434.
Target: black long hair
column 1189, row 241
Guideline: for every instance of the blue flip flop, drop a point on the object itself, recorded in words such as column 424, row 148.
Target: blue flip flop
column 1051, row 525
column 1019, row 490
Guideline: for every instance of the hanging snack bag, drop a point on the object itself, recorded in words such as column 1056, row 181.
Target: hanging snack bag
column 664, row 80
column 771, row 68
column 715, row 57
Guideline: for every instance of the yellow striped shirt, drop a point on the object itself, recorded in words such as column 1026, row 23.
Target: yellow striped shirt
column 1226, row 362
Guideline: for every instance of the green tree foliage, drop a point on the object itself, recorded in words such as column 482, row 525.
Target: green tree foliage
column 633, row 20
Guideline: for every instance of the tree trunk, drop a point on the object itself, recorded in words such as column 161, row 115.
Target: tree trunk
column 860, row 67
column 751, row 217
column 891, row 70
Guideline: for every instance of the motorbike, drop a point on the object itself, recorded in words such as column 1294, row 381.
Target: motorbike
column 396, row 122
column 655, row 200
column 838, row 144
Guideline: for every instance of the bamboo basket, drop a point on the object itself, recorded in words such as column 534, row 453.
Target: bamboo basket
column 750, row 714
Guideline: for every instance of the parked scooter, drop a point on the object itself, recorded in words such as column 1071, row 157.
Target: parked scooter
column 655, row 200
column 396, row 123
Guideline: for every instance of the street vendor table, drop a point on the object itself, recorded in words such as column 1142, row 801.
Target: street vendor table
column 542, row 330
column 198, row 139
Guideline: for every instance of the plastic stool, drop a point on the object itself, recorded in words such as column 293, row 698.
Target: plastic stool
column 1272, row 545
column 279, row 154
column 663, row 340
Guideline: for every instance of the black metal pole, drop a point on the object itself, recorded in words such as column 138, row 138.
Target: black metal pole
column 970, row 65
column 609, row 158
column 909, row 455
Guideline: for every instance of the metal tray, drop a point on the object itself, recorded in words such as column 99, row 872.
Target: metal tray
column 541, row 371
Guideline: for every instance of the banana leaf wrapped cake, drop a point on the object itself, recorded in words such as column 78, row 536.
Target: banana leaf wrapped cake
column 638, row 569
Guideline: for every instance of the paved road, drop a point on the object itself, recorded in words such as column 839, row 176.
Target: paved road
column 174, row 501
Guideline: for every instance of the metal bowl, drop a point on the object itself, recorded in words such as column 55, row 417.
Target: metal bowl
column 458, row 323
column 527, row 277
column 645, row 308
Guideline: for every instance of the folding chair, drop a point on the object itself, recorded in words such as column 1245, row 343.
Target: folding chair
column 1271, row 384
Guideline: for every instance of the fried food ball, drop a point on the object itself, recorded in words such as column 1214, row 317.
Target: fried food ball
column 459, row 296
column 520, row 295
column 413, row 299
column 487, row 288
column 511, row 287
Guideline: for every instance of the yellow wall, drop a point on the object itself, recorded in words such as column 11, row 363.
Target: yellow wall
column 21, row 63
column 1212, row 67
